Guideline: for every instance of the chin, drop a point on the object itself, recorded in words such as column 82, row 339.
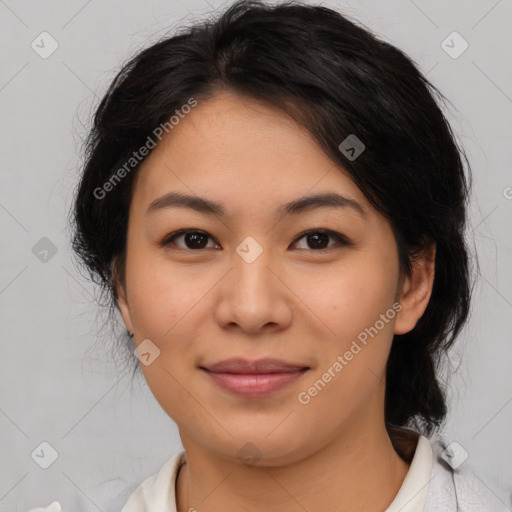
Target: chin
column 256, row 447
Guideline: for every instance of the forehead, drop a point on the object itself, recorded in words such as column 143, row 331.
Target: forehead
column 243, row 153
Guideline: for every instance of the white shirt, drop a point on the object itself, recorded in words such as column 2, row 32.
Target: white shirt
column 157, row 493
column 431, row 485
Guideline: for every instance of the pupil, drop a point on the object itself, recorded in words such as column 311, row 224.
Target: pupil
column 193, row 237
column 316, row 236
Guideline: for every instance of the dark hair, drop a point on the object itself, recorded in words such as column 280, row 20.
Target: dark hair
column 335, row 78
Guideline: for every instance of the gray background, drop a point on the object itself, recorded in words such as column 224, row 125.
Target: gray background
column 57, row 386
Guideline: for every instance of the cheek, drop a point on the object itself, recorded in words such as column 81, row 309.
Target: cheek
column 354, row 355
column 163, row 302
column 351, row 302
column 161, row 295
column 352, row 297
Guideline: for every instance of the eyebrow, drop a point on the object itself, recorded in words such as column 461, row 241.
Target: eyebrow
column 210, row 207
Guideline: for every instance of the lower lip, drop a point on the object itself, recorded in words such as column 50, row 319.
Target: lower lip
column 253, row 385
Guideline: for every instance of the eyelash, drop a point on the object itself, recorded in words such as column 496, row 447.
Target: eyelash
column 342, row 241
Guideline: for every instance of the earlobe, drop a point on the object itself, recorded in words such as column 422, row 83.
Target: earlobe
column 122, row 302
column 416, row 290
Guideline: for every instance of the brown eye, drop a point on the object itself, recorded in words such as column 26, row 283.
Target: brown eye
column 318, row 240
column 193, row 240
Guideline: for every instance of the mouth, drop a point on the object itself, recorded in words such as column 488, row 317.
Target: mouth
column 253, row 379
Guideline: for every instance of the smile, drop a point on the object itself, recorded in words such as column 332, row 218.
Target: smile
column 254, row 385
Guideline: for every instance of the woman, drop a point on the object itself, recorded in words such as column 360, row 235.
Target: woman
column 276, row 205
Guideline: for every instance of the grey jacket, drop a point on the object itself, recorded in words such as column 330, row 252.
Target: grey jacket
column 463, row 489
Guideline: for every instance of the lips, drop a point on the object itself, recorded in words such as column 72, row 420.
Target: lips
column 253, row 379
column 260, row 366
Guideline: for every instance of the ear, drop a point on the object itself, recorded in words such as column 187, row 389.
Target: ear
column 122, row 301
column 416, row 290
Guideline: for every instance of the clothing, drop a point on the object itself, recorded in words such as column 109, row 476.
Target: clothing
column 431, row 484
column 156, row 494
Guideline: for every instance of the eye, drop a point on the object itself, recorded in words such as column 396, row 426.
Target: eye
column 193, row 239
column 319, row 239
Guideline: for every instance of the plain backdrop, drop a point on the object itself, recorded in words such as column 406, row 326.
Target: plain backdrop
column 56, row 385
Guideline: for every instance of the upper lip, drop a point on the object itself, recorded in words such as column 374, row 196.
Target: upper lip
column 266, row 365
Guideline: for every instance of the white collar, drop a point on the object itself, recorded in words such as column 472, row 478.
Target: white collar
column 157, row 492
column 412, row 495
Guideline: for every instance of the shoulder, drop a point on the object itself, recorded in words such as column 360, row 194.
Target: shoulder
column 125, row 495
column 456, row 485
column 109, row 495
column 156, row 491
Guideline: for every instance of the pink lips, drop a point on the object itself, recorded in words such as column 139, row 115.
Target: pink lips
column 253, row 379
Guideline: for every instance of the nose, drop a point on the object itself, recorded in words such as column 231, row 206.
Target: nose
column 254, row 296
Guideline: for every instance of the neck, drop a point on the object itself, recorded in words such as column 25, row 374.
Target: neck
column 357, row 471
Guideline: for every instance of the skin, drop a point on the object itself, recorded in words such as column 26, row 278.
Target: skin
column 201, row 306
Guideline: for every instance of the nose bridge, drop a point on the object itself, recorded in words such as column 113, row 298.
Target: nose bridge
column 252, row 274
column 252, row 296
column 250, row 250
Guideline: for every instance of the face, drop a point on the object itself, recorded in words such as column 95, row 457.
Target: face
column 314, row 286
